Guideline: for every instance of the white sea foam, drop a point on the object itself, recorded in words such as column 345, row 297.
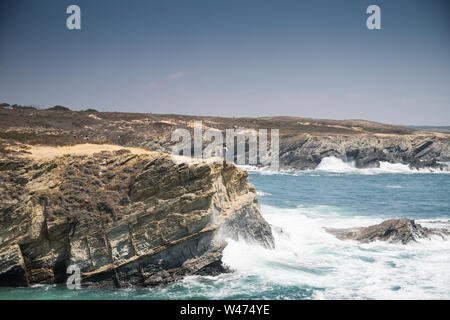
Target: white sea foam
column 263, row 194
column 263, row 170
column 333, row 164
column 306, row 256
column 336, row 165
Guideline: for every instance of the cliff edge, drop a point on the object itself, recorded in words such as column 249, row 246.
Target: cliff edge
column 123, row 216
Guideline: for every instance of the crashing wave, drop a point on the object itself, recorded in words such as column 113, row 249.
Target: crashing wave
column 333, row 164
column 336, row 165
column 306, row 255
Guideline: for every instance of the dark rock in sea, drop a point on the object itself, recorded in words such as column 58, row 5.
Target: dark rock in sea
column 394, row 230
column 431, row 163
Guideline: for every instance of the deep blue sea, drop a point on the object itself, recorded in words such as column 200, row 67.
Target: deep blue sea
column 309, row 263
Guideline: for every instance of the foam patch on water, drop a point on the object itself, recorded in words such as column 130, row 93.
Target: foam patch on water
column 333, row 164
column 264, row 170
column 336, row 165
column 306, row 256
column 307, row 263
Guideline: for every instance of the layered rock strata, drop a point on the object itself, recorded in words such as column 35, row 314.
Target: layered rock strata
column 122, row 217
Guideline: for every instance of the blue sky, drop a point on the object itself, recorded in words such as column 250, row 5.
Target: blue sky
column 232, row 58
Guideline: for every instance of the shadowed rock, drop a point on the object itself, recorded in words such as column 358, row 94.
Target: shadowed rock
column 303, row 142
column 123, row 217
column 394, row 230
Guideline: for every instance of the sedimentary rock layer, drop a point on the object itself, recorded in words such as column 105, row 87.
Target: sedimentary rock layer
column 123, row 217
column 366, row 151
column 393, row 230
column 303, row 142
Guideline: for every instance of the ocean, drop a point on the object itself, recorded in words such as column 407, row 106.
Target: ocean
column 309, row 263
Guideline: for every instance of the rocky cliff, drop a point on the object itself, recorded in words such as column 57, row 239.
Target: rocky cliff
column 366, row 151
column 124, row 217
column 303, row 143
column 393, row 230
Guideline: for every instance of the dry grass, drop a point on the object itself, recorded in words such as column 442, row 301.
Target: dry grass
column 3, row 149
column 50, row 152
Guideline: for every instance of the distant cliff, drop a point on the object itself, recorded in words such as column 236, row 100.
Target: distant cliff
column 367, row 151
column 124, row 217
column 304, row 142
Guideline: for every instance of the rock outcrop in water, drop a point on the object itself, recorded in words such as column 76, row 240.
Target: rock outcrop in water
column 124, row 218
column 394, row 230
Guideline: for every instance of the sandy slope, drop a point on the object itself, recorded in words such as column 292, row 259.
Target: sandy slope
column 50, row 152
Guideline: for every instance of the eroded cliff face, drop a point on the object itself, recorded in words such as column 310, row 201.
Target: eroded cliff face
column 393, row 230
column 366, row 151
column 303, row 143
column 123, row 217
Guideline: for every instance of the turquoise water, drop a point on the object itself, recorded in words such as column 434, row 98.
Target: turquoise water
column 309, row 263
column 385, row 195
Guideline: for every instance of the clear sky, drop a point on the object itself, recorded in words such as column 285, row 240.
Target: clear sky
column 312, row 58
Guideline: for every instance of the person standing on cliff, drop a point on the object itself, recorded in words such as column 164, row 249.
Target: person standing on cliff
column 225, row 150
